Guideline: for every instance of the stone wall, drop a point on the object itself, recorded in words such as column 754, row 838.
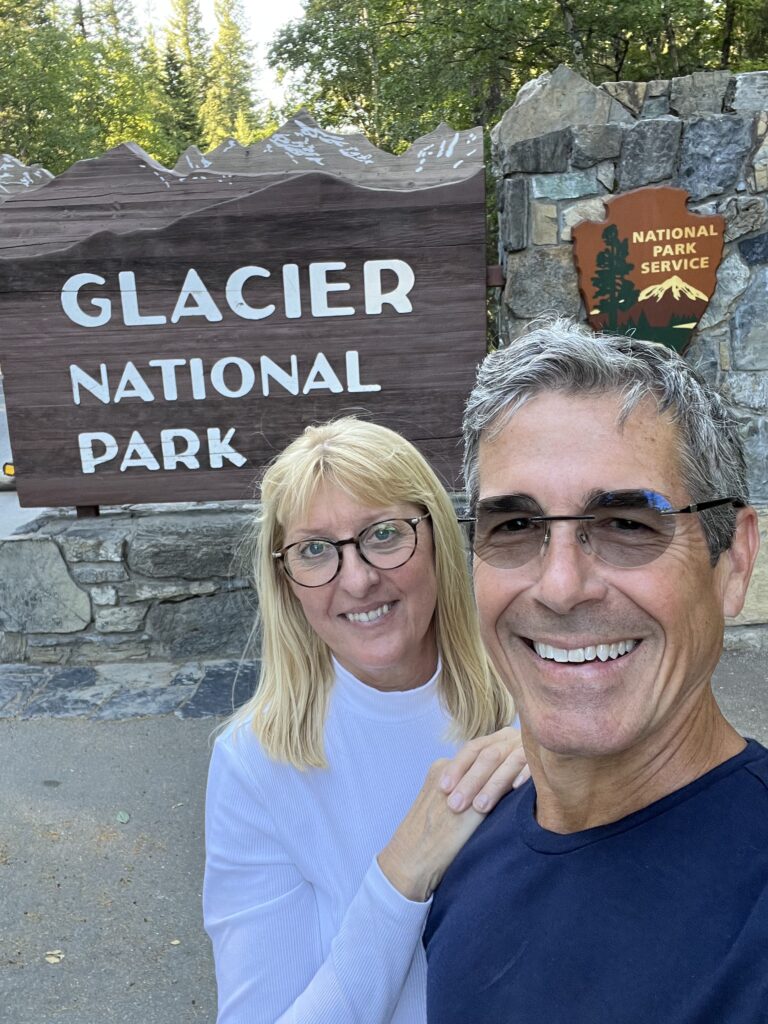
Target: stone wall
column 566, row 145
column 151, row 583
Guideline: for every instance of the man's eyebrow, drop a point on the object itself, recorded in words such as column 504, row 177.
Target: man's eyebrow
column 638, row 497
column 509, row 503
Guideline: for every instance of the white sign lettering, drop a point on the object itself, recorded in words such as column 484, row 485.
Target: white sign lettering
column 385, row 283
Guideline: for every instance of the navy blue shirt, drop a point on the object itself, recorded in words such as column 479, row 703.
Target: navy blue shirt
column 659, row 918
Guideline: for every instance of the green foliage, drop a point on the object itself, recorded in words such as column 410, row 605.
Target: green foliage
column 78, row 76
column 228, row 108
column 395, row 68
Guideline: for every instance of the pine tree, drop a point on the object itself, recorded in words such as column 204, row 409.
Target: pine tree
column 187, row 39
column 613, row 289
column 228, row 108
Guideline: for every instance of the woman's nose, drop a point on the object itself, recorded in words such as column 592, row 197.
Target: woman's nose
column 356, row 575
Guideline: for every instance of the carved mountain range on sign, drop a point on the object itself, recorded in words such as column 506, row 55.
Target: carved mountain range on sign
column 676, row 286
column 301, row 145
column 126, row 190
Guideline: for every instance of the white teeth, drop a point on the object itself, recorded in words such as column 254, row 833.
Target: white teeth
column 371, row 616
column 579, row 654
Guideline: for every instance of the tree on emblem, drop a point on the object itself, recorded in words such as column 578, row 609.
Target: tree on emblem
column 614, row 291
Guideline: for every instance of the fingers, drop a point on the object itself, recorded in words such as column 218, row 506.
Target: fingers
column 484, row 770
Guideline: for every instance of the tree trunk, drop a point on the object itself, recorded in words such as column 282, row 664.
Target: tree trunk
column 728, row 20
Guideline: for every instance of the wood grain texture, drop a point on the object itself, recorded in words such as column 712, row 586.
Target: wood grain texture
column 423, row 360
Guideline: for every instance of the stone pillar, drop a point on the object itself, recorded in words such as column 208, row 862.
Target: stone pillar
column 566, row 145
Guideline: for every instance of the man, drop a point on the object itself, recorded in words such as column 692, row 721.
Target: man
column 628, row 883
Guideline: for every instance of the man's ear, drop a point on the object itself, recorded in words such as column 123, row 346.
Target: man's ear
column 738, row 561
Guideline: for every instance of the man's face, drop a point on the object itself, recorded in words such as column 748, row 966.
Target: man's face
column 667, row 614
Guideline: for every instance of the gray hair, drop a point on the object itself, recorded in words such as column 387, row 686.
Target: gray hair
column 561, row 355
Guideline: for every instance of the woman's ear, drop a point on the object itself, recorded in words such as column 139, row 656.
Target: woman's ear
column 738, row 561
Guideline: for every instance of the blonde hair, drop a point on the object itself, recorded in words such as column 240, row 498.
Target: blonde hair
column 375, row 466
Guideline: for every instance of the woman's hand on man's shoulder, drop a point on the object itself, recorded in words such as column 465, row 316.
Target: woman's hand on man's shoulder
column 485, row 770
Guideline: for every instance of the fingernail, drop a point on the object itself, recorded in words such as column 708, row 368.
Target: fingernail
column 445, row 782
column 455, row 801
column 481, row 802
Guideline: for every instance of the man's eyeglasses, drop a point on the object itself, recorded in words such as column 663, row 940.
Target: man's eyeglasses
column 385, row 545
column 621, row 528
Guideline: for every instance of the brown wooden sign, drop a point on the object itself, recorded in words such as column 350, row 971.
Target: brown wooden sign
column 650, row 267
column 170, row 362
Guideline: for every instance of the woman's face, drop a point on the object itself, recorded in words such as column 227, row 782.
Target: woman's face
column 395, row 649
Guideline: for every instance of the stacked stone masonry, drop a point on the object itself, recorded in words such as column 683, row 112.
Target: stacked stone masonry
column 565, row 146
column 167, row 584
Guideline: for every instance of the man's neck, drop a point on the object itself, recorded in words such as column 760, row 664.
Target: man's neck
column 574, row 793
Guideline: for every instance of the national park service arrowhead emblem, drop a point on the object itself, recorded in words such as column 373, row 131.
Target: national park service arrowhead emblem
column 650, row 268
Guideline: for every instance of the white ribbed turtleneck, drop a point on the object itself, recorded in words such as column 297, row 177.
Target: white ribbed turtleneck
column 304, row 925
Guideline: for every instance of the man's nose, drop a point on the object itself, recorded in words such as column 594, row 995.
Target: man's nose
column 568, row 571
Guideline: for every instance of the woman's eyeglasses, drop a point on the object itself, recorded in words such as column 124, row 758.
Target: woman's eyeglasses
column 622, row 528
column 385, row 545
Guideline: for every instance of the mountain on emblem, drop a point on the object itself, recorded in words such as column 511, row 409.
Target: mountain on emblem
column 677, row 286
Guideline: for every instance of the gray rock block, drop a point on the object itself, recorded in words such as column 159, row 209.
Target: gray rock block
column 18, row 684
column 713, row 153
column 96, row 541
column 173, row 590
column 749, row 337
column 755, row 429
column 513, row 221
column 755, row 250
column 732, row 279
column 655, row 107
column 555, row 101
column 216, row 626
column 748, row 390
column 657, row 87
column 13, row 648
column 542, row 281
column 743, row 215
column 188, row 546
column 124, row 619
column 575, row 213
column 103, row 595
column 571, row 185
column 594, row 143
column 99, row 572
column 748, row 92
column 544, row 223
column 149, row 700
column 703, row 353
column 649, row 153
column 548, row 152
column 37, row 594
column 630, row 94
column 703, row 92
column 224, row 687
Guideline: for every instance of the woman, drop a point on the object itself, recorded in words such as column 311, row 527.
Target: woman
column 322, row 852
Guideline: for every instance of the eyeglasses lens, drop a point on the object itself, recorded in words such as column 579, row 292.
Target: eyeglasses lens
column 623, row 529
column 385, row 545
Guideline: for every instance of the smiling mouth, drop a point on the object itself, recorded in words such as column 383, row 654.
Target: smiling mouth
column 577, row 655
column 371, row 616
